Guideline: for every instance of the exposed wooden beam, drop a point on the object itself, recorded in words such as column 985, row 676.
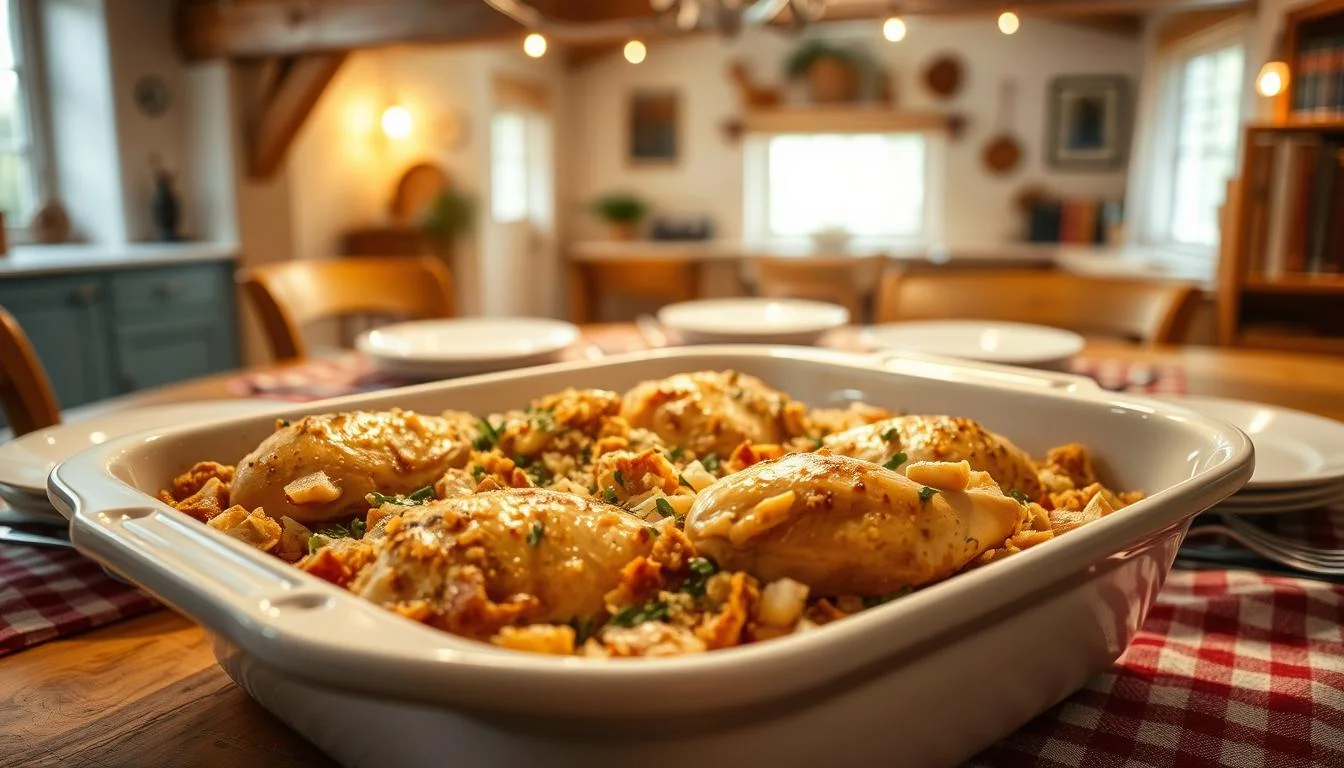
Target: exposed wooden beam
column 256, row 28
column 283, row 112
column 865, row 9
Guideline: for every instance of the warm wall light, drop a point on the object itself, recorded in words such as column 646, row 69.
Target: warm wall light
column 894, row 29
column 635, row 51
column 1009, row 23
column 396, row 122
column 1273, row 78
column 534, row 45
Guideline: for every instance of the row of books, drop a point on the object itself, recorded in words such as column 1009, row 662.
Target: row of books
column 1077, row 221
column 1319, row 70
column 1295, row 220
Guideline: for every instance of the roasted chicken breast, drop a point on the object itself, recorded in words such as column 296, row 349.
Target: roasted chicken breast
column 320, row 468
column 472, row 564
column 941, row 438
column 843, row 526
column 712, row 411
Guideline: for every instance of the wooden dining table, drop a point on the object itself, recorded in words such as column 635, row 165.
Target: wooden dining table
column 146, row 691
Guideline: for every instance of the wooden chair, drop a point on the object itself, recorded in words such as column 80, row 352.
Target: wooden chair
column 847, row 281
column 293, row 294
column 25, row 392
column 1156, row 312
column 664, row 280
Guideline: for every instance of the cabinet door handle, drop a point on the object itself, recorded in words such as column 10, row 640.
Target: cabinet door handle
column 84, row 295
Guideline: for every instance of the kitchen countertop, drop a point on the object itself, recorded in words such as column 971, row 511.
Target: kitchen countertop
column 33, row 260
column 1118, row 261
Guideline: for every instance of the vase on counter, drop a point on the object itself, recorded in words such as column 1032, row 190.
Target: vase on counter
column 164, row 208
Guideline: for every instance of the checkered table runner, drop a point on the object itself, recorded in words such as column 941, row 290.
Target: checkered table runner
column 46, row 593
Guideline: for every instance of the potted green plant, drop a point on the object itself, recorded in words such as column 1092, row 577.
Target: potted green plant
column 451, row 215
column 833, row 73
column 622, row 211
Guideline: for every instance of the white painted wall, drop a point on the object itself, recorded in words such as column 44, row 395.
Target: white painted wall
column 83, row 121
column 140, row 41
column 708, row 178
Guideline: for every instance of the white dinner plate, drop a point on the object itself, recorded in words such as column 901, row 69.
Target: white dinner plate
column 26, row 461
column 752, row 320
column 1280, row 507
column 1293, row 450
column 438, row 348
column 985, row 340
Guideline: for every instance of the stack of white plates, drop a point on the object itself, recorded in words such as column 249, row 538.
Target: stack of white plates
column 435, row 349
column 26, row 461
column 752, row 320
column 1299, row 457
column 988, row 341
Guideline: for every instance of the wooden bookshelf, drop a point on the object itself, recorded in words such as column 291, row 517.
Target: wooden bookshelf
column 1280, row 279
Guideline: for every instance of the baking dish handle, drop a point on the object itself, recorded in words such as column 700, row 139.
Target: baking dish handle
column 949, row 368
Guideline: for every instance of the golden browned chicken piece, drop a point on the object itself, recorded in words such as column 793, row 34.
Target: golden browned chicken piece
column 472, row 564
column 320, row 468
column 848, row 527
column 941, row 438
column 713, row 411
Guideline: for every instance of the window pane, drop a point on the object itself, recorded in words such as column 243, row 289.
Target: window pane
column 1206, row 140
column 16, row 192
column 867, row 184
column 508, row 166
column 13, row 126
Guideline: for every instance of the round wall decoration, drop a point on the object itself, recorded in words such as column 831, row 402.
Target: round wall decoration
column 943, row 76
column 151, row 95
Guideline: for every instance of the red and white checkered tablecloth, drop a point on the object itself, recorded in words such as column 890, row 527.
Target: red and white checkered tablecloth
column 47, row 593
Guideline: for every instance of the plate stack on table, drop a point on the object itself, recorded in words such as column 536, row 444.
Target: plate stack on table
column 26, row 461
column 426, row 350
column 1299, row 457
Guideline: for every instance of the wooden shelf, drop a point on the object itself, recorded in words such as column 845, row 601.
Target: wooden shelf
column 1298, row 126
column 845, row 119
column 1296, row 343
column 1327, row 284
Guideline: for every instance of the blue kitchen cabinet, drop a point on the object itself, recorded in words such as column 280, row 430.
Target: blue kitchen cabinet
column 66, row 320
column 112, row 331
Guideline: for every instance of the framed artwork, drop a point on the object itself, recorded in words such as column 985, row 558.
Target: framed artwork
column 1088, row 122
column 654, row 122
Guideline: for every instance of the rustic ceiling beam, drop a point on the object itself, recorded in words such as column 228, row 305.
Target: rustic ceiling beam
column 867, row 9
column 207, row 29
column 281, row 112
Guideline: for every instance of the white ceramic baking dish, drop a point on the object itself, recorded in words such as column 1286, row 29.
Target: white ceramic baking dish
column 927, row 680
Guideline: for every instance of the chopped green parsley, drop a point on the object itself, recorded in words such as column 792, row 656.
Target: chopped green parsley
column 927, row 493
column 665, row 507
column 896, row 461
column 534, row 535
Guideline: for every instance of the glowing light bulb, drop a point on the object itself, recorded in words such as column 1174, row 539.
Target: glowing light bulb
column 396, row 122
column 1009, row 23
column 635, row 51
column 894, row 29
column 1273, row 78
column 534, row 45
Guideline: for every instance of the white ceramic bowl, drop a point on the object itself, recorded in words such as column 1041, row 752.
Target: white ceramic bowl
column 888, row 685
column 752, row 320
column 426, row 349
column 985, row 340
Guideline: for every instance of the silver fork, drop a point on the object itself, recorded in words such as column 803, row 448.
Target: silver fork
column 1294, row 554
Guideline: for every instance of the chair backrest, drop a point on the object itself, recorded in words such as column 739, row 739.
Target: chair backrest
column 848, row 281
column 25, row 392
column 292, row 294
column 1138, row 310
column 666, row 280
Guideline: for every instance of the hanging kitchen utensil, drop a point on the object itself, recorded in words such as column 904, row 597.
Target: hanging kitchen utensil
column 943, row 76
column 1003, row 153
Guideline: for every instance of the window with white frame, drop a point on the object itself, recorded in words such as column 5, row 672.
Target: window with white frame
column 1204, row 151
column 19, row 178
column 867, row 184
column 1189, row 136
column 508, row 166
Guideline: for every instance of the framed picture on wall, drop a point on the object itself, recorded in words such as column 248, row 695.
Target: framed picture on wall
column 654, row 122
column 1087, row 127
